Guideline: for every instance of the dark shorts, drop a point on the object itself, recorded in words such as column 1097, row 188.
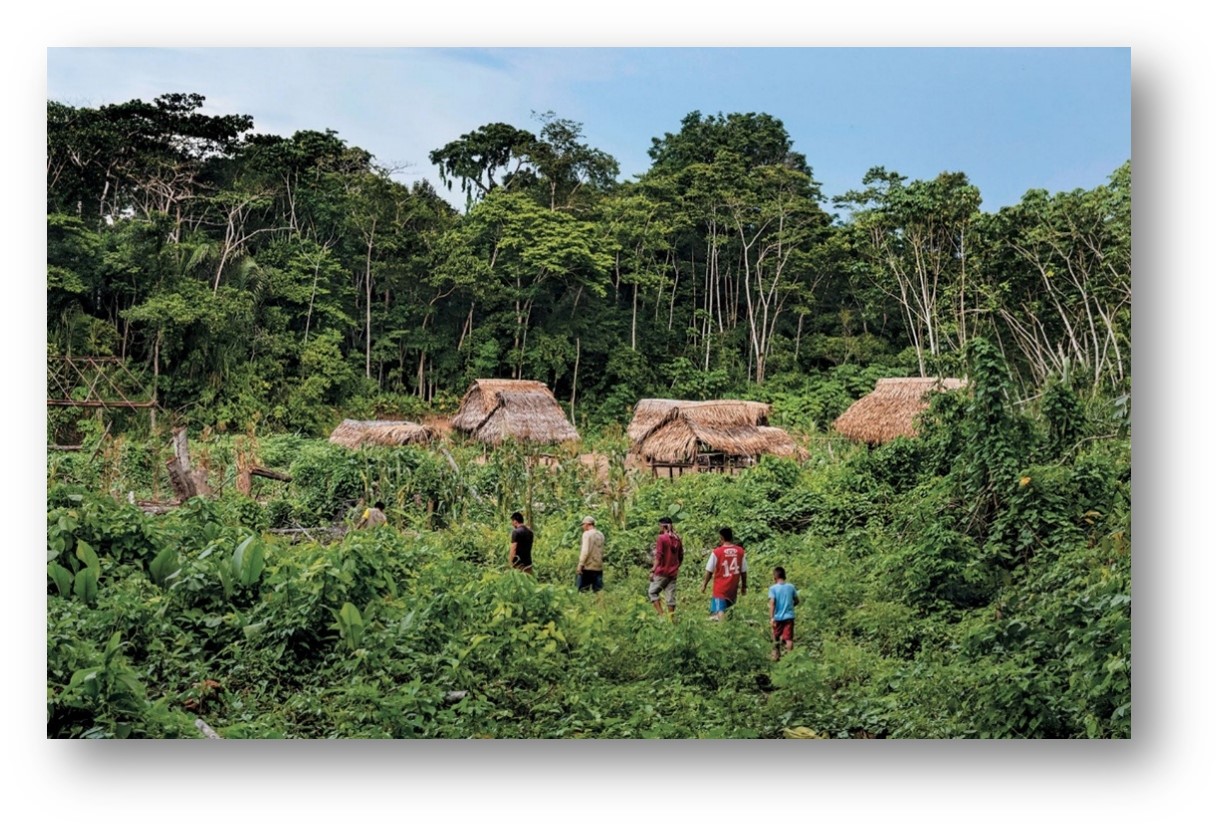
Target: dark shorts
column 526, row 567
column 782, row 630
column 593, row 579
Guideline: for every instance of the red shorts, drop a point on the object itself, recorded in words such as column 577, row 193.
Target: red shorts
column 782, row 630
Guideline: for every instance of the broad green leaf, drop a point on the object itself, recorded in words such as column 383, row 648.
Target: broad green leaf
column 253, row 564
column 226, row 574
column 164, row 565
column 87, row 556
column 236, row 560
column 248, row 560
column 350, row 615
column 62, row 578
column 85, row 585
column 350, row 624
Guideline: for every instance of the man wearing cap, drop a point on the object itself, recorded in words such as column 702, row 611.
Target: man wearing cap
column 668, row 555
column 590, row 573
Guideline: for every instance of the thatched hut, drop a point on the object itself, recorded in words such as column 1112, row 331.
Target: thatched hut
column 353, row 434
column 677, row 436
column 651, row 412
column 890, row 410
column 495, row 410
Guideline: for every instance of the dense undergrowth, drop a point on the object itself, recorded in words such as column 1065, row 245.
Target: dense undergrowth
column 973, row 582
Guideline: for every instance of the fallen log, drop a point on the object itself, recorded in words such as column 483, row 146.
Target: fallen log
column 261, row 472
column 296, row 533
column 155, row 508
column 242, row 481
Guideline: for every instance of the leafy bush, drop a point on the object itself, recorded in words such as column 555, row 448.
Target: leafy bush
column 327, row 482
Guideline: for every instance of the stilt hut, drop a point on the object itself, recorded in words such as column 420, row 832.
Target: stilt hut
column 650, row 412
column 354, row 434
column 673, row 437
column 891, row 409
column 496, row 410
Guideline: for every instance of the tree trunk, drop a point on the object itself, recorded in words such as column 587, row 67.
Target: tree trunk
column 370, row 245
column 574, row 382
column 186, row 481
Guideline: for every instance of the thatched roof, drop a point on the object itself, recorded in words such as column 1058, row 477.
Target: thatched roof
column 890, row 410
column 482, row 397
column 354, row 434
column 532, row 416
column 712, row 413
column 728, row 426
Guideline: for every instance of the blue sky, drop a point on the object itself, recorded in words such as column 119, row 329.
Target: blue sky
column 1012, row 119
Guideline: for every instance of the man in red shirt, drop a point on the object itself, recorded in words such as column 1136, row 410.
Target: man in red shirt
column 727, row 566
column 668, row 556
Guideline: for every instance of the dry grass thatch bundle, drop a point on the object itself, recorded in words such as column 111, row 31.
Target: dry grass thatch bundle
column 353, row 434
column 890, row 410
column 732, row 427
column 481, row 399
column 522, row 410
column 650, row 413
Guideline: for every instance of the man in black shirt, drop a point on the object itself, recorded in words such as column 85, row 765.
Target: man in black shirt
column 521, row 544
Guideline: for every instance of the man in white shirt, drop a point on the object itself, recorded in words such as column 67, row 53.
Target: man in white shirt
column 589, row 575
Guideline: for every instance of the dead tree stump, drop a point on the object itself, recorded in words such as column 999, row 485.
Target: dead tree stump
column 186, row 481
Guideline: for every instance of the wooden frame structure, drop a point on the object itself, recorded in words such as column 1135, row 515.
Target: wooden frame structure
column 107, row 384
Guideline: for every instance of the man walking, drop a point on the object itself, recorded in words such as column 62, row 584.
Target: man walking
column 783, row 599
column 521, row 544
column 727, row 566
column 590, row 573
column 666, row 562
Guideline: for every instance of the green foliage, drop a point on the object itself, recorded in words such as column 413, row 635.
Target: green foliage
column 971, row 582
column 1065, row 418
column 296, row 281
column 247, row 563
column 327, row 480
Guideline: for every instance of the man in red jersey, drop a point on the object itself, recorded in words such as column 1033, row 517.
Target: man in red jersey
column 727, row 566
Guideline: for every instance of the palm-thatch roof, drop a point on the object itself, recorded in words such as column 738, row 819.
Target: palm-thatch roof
column 889, row 411
column 650, row 413
column 482, row 397
column 686, row 428
column 494, row 410
column 354, row 434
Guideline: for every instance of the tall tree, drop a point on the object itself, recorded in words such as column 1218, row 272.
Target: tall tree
column 1060, row 279
column 746, row 213
column 482, row 159
column 752, row 138
column 133, row 157
column 565, row 165
column 914, row 239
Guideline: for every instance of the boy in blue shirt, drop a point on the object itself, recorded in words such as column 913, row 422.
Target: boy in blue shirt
column 783, row 598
